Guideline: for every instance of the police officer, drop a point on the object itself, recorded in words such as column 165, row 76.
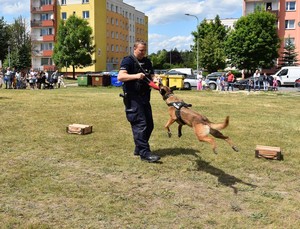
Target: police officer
column 138, row 110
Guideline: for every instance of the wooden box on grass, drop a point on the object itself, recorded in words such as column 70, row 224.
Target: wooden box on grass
column 269, row 152
column 79, row 129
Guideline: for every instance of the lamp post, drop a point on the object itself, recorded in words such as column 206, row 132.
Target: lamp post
column 196, row 40
column 8, row 50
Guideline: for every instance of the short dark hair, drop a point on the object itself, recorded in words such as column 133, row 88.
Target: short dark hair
column 138, row 42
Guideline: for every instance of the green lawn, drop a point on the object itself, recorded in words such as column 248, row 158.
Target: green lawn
column 51, row 179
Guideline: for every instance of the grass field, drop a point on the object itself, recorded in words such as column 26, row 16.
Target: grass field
column 51, row 179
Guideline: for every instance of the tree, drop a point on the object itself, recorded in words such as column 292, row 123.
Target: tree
column 20, row 44
column 289, row 56
column 16, row 39
column 211, row 37
column 74, row 46
column 4, row 37
column 254, row 43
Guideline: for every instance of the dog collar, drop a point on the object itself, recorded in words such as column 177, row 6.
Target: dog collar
column 165, row 97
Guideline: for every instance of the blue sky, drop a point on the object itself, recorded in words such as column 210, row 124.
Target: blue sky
column 169, row 27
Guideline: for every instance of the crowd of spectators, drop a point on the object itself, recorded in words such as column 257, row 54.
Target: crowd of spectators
column 15, row 79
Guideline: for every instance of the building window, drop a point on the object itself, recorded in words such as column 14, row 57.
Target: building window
column 45, row 17
column 112, row 48
column 289, row 41
column 64, row 15
column 85, row 1
column 46, row 46
column 289, row 24
column 290, row 6
column 64, row 2
column 46, row 2
column 46, row 61
column 46, row 31
column 86, row 14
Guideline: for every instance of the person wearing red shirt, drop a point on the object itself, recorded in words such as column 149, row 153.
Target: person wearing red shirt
column 230, row 80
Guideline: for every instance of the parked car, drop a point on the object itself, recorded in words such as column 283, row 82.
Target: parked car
column 243, row 83
column 214, row 75
column 212, row 79
column 287, row 75
column 189, row 82
column 297, row 83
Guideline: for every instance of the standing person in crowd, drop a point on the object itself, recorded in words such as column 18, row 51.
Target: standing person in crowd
column 18, row 77
column 54, row 78
column 1, row 78
column 39, row 80
column 222, row 82
column 265, row 81
column 7, row 78
column 275, row 84
column 199, row 81
column 230, row 80
column 256, row 82
column 249, row 84
column 218, row 83
column 137, row 99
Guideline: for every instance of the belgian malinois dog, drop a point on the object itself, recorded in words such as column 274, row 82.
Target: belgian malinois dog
column 180, row 112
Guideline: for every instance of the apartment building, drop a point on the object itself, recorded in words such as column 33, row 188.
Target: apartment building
column 116, row 25
column 288, row 18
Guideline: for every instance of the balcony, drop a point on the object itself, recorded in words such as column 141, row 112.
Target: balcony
column 37, row 53
column 47, row 53
column 36, row 23
column 47, row 8
column 48, row 38
column 48, row 23
column 42, row 9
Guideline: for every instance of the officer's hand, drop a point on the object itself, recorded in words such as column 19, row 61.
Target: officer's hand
column 140, row 75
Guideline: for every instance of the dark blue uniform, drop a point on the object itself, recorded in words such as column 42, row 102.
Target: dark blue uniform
column 137, row 104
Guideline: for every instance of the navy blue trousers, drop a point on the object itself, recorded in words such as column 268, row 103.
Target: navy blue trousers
column 139, row 114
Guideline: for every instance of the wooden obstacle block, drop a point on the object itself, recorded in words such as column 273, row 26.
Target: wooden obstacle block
column 269, row 152
column 79, row 129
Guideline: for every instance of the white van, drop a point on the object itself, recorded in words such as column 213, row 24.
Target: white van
column 287, row 75
column 187, row 71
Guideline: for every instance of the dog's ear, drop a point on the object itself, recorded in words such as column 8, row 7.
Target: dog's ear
column 173, row 88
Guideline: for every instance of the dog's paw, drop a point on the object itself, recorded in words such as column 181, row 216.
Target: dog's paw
column 179, row 135
column 169, row 134
column 215, row 151
column 236, row 149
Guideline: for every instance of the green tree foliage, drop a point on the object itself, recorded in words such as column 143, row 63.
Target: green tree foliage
column 18, row 42
column 74, row 46
column 289, row 56
column 4, row 38
column 254, row 43
column 211, row 37
column 164, row 59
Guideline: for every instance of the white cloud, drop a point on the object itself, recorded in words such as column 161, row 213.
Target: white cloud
column 170, row 12
column 160, row 42
column 14, row 8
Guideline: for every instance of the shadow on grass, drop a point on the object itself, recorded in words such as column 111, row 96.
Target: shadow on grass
column 223, row 178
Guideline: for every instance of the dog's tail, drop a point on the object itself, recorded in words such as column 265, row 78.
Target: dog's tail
column 220, row 126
